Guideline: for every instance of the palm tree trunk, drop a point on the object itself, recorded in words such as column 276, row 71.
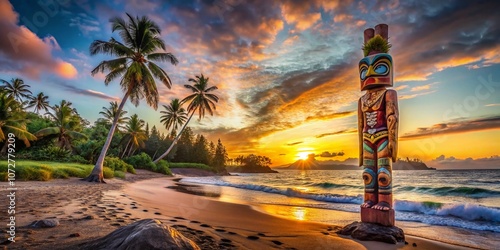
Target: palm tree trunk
column 130, row 150
column 175, row 140
column 97, row 173
column 125, row 149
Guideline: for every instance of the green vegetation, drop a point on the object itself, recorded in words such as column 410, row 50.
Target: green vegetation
column 376, row 43
column 191, row 165
column 46, row 170
column 134, row 66
column 201, row 100
column 163, row 167
column 61, row 144
column 117, row 164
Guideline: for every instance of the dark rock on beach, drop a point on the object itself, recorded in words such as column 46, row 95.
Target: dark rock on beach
column 143, row 234
column 46, row 223
column 374, row 232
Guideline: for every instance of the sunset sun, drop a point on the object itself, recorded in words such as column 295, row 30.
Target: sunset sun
column 303, row 155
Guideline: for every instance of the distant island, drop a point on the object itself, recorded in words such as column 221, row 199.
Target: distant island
column 312, row 164
column 250, row 164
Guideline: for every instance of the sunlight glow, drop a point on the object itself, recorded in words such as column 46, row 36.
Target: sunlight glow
column 303, row 155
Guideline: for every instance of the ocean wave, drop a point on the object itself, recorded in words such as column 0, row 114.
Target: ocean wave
column 469, row 212
column 421, row 210
column 290, row 192
column 328, row 185
column 472, row 192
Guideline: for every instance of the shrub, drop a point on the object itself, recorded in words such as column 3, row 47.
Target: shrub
column 108, row 173
column 162, row 167
column 78, row 159
column 117, row 164
column 52, row 153
column 119, row 174
column 141, row 161
column 130, row 169
column 32, row 173
column 60, row 173
column 191, row 165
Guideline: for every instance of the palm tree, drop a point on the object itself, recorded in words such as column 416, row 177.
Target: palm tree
column 201, row 100
column 16, row 89
column 134, row 67
column 67, row 123
column 12, row 120
column 39, row 102
column 111, row 112
column 174, row 115
column 135, row 135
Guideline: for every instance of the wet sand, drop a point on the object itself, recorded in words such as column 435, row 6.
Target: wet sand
column 87, row 211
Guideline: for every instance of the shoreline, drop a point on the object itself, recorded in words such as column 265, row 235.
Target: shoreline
column 88, row 211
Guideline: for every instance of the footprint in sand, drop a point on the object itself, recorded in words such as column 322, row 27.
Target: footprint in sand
column 232, row 233
column 253, row 237
column 179, row 218
column 145, row 210
column 277, row 242
column 261, row 234
column 204, row 225
column 224, row 244
column 173, row 220
column 220, row 230
column 195, row 221
column 157, row 213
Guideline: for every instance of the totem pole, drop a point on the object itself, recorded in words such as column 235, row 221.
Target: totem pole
column 377, row 126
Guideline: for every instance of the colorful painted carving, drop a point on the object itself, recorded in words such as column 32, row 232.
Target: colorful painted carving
column 377, row 121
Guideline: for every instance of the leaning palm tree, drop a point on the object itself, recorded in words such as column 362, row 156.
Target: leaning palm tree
column 135, row 135
column 174, row 115
column 67, row 124
column 12, row 120
column 16, row 89
column 111, row 112
column 40, row 101
column 201, row 100
column 135, row 68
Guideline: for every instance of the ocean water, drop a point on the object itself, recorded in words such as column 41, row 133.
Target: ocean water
column 459, row 199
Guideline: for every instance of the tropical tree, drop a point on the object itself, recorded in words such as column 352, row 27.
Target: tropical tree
column 12, row 120
column 174, row 115
column 67, row 125
column 40, row 101
column 16, row 89
column 111, row 112
column 135, row 68
column 201, row 100
column 220, row 156
column 135, row 135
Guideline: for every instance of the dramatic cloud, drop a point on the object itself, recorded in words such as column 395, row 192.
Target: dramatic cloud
column 25, row 52
column 460, row 126
column 466, row 35
column 443, row 162
column 327, row 154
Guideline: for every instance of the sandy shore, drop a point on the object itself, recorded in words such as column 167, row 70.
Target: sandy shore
column 87, row 211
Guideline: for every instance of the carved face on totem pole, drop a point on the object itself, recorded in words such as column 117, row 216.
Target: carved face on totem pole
column 375, row 71
column 377, row 126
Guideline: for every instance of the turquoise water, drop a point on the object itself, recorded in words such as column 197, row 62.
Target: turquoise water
column 461, row 199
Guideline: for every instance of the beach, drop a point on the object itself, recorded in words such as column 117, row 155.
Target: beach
column 88, row 211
